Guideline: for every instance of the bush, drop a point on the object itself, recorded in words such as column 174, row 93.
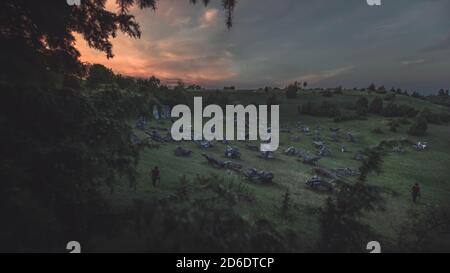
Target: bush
column 362, row 106
column 393, row 125
column 99, row 74
column 54, row 161
column 395, row 110
column 291, row 91
column 214, row 224
column 407, row 111
column 376, row 106
column 404, row 121
column 377, row 131
column 178, row 95
column 419, row 127
column 125, row 82
column 434, row 118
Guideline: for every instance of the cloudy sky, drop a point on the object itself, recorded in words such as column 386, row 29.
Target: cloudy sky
column 403, row 43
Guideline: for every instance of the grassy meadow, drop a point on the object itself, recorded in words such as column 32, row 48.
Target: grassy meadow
column 429, row 168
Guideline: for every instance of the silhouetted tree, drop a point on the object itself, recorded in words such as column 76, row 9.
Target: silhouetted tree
column 341, row 227
column 376, row 106
column 99, row 74
column 149, row 83
column 423, row 231
column 381, row 89
column 362, row 106
column 125, row 82
column 291, row 91
column 194, row 87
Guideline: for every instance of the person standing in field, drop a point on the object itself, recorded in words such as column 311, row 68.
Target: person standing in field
column 415, row 191
column 155, row 176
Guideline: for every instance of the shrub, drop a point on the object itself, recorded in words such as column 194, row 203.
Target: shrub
column 393, row 125
column 175, row 96
column 435, row 118
column 291, row 91
column 377, row 131
column 419, row 127
column 404, row 121
column 407, row 111
column 376, row 106
column 395, row 110
column 99, row 74
column 362, row 106
column 78, row 142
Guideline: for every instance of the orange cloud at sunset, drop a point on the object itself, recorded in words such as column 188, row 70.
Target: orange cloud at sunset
column 173, row 45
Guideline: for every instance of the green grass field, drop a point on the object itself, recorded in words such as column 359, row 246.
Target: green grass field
column 430, row 168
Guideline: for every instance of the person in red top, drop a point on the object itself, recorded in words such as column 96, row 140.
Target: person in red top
column 415, row 191
column 155, row 176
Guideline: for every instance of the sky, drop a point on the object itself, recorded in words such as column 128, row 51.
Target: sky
column 402, row 43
